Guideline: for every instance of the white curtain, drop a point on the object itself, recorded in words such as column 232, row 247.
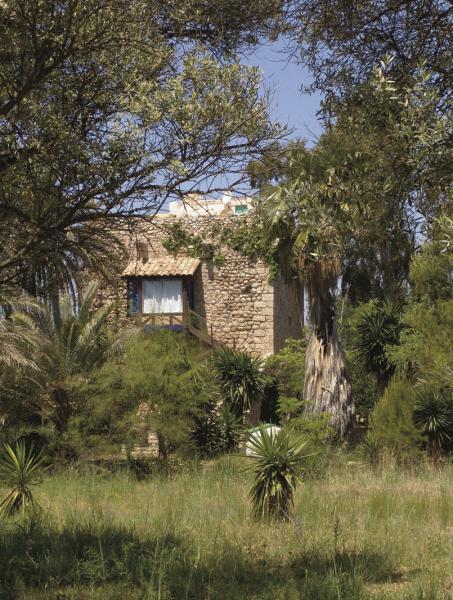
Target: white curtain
column 162, row 295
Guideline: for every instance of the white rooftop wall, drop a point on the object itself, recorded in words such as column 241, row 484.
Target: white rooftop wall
column 198, row 205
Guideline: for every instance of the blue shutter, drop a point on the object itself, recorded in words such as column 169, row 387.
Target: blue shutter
column 132, row 297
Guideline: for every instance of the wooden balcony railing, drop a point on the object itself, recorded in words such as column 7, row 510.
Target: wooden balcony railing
column 194, row 323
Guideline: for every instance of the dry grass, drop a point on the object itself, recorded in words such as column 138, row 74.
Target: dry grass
column 356, row 534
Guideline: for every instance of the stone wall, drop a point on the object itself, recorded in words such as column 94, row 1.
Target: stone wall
column 245, row 309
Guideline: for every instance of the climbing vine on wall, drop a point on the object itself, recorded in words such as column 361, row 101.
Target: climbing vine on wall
column 246, row 237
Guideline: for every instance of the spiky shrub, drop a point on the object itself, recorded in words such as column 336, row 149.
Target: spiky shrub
column 433, row 417
column 19, row 470
column 219, row 430
column 240, row 378
column 231, row 428
column 277, row 467
column 377, row 325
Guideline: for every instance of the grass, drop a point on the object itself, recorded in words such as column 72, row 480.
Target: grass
column 356, row 534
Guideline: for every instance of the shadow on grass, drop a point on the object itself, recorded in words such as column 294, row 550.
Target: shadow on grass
column 113, row 562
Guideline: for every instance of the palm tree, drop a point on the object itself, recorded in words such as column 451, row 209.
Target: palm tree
column 299, row 218
column 71, row 342
column 17, row 345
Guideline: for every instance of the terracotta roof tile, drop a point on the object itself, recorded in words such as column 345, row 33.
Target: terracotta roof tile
column 162, row 266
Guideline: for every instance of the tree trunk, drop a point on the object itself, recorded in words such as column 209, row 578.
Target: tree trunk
column 251, row 417
column 162, row 443
column 326, row 387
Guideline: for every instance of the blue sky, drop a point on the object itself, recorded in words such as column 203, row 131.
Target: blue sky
column 286, row 79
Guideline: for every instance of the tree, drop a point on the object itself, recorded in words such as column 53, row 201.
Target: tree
column 300, row 216
column 341, row 42
column 367, row 184
column 392, row 424
column 424, row 349
column 108, row 109
column 68, row 343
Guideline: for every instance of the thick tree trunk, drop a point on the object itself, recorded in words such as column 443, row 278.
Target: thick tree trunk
column 326, row 387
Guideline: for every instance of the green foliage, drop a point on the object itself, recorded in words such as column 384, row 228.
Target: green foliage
column 162, row 383
column 109, row 112
column 288, row 407
column 178, row 240
column 75, row 341
column 324, row 38
column 432, row 268
column 67, row 343
column 278, row 463
column 391, row 424
column 424, row 351
column 285, row 382
column 245, row 236
column 286, row 369
column 318, row 435
column 249, row 238
column 219, row 430
column 365, row 390
column 433, row 417
column 364, row 383
column 240, row 377
column 377, row 325
column 20, row 468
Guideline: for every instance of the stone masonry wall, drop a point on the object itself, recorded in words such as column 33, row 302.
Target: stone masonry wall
column 246, row 310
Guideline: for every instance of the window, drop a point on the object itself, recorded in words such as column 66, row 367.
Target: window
column 162, row 296
column 241, row 209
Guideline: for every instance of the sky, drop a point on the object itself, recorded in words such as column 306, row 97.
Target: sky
column 290, row 105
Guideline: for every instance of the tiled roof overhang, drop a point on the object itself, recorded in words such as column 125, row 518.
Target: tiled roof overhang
column 166, row 266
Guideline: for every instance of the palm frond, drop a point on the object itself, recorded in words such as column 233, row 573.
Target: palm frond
column 87, row 302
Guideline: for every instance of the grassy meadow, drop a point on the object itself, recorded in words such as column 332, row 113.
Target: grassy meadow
column 357, row 533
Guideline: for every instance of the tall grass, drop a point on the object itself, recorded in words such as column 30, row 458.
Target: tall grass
column 356, row 534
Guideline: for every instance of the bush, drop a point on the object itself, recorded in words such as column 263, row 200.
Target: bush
column 284, row 389
column 318, row 436
column 219, row 430
column 163, row 383
column 392, row 424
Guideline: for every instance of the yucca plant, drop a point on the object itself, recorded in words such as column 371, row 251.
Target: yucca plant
column 219, row 430
column 378, row 325
column 231, row 428
column 277, row 466
column 433, row 417
column 240, row 377
column 19, row 470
